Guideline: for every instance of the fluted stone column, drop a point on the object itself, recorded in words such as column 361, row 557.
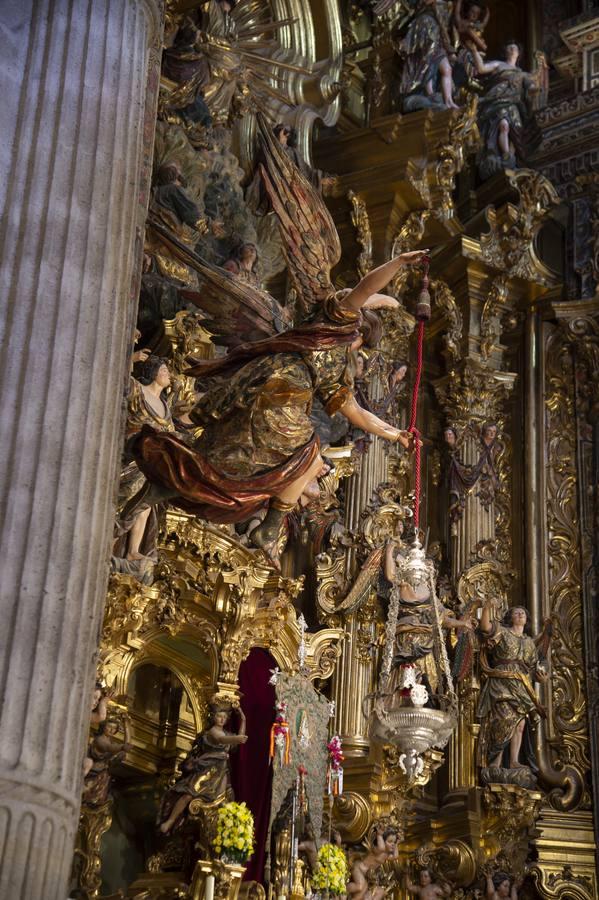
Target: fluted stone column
column 75, row 120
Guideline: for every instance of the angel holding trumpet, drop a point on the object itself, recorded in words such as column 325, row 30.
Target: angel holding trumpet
column 258, row 448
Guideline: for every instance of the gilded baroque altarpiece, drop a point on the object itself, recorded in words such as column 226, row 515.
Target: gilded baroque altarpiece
column 508, row 423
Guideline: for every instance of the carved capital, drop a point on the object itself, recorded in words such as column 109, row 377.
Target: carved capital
column 473, row 392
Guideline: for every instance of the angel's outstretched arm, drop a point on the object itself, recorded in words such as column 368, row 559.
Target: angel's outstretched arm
column 367, row 421
column 379, row 278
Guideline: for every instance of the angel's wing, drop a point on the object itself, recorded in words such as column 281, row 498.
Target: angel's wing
column 310, row 240
column 237, row 312
column 366, row 580
column 380, row 7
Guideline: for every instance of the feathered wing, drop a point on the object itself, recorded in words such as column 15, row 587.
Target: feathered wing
column 236, row 311
column 364, row 583
column 310, row 240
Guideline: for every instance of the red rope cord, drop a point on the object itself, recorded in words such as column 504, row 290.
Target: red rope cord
column 412, row 428
column 414, row 411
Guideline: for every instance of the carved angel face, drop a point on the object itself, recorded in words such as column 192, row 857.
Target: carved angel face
column 503, row 889
column 489, row 434
column 425, row 877
column 163, row 376
column 519, row 615
column 220, row 718
column 449, row 436
column 391, row 842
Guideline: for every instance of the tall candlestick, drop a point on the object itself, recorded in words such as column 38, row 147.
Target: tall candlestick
column 209, row 891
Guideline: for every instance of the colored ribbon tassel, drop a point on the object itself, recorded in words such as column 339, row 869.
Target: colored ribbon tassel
column 280, row 739
column 335, row 769
column 335, row 781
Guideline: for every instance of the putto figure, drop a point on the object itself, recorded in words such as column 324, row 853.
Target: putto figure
column 385, row 847
column 501, row 887
column 258, row 447
column 427, row 889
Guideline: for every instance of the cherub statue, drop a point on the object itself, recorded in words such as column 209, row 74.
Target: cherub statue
column 470, row 18
column 510, row 661
column 104, row 750
column 205, row 771
column 385, row 847
column 258, row 446
column 427, row 889
column 501, row 886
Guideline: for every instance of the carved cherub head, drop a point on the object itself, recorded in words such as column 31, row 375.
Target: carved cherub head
column 391, row 839
column 502, row 884
column 474, row 11
column 424, row 877
column 450, row 436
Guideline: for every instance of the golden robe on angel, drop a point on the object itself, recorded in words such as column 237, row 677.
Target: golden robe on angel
column 258, row 445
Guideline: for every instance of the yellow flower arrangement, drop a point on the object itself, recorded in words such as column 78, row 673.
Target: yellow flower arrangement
column 331, row 872
column 234, row 839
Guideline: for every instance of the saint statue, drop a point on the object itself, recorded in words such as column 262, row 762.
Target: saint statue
column 149, row 404
column 415, row 634
column 503, row 109
column 510, row 661
column 426, row 78
column 205, row 773
column 104, row 750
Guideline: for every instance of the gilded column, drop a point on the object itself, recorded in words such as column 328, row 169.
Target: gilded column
column 75, row 117
column 471, row 397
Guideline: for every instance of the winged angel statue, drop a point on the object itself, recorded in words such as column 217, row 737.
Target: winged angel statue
column 258, row 449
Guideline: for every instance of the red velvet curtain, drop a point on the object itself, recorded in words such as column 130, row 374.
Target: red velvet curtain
column 251, row 772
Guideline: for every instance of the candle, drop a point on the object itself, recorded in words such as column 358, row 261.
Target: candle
column 209, row 891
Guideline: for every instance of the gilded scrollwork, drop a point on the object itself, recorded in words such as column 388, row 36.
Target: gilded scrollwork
column 490, row 319
column 445, row 301
column 509, row 244
column 361, row 223
column 451, row 155
column 564, row 572
column 93, row 823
